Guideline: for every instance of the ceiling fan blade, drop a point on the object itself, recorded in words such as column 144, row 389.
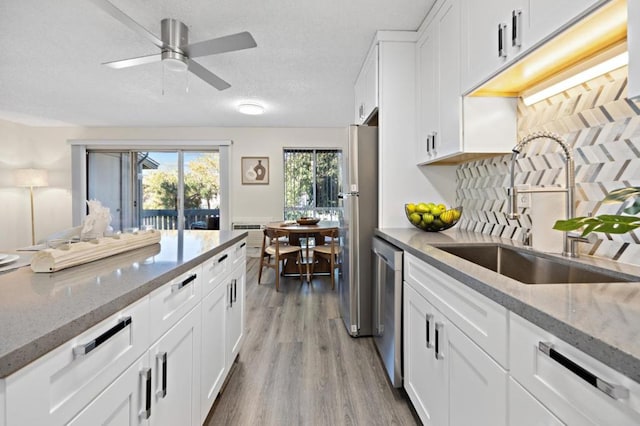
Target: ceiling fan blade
column 207, row 75
column 132, row 62
column 109, row 8
column 239, row 41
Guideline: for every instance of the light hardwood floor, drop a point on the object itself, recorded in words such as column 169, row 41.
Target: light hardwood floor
column 298, row 365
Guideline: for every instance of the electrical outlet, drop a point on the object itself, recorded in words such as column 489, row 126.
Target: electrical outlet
column 524, row 198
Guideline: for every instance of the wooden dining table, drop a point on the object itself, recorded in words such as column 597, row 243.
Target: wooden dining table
column 297, row 233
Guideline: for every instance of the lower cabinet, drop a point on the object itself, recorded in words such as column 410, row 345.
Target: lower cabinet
column 235, row 314
column 175, row 381
column 213, row 365
column 576, row 388
column 160, row 361
column 450, row 380
column 125, row 402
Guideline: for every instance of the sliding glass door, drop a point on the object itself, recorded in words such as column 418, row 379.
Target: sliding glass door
column 164, row 189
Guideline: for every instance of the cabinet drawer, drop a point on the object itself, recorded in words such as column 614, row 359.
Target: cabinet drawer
column 559, row 387
column 239, row 253
column 53, row 389
column 173, row 300
column 483, row 320
column 216, row 269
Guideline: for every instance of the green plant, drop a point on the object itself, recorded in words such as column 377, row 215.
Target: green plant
column 609, row 223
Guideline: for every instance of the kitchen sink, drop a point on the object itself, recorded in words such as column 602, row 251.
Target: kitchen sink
column 530, row 267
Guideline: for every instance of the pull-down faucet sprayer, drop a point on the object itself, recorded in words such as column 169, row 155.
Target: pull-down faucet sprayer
column 570, row 242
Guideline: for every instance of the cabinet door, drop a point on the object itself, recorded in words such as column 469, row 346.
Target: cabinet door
column 425, row 378
column 548, row 16
column 235, row 314
column 448, row 140
column 213, row 360
column 427, row 75
column 175, row 360
column 124, row 402
column 525, row 410
column 366, row 87
column 481, row 58
column 477, row 384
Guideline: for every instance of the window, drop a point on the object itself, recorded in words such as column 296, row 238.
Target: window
column 312, row 182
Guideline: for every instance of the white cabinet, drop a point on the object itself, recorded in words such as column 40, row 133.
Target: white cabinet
column 55, row 388
column 175, row 384
column 214, row 307
column 525, row 410
column 235, row 314
column 498, row 32
column 564, row 379
column 424, row 378
column 490, row 38
column 125, row 402
column 142, row 365
column 366, row 88
column 452, row 128
column 633, row 41
column 438, row 70
column 547, row 17
column 449, row 378
column 172, row 301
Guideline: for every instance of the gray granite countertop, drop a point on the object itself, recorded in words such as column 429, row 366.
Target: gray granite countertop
column 38, row 312
column 602, row 320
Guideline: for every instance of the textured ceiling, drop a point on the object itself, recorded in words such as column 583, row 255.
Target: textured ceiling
column 308, row 56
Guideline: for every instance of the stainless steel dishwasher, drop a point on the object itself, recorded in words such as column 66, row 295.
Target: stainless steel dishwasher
column 387, row 307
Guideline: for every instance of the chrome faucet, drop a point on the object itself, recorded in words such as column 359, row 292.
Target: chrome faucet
column 570, row 242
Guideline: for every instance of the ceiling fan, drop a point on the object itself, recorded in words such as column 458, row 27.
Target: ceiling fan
column 175, row 50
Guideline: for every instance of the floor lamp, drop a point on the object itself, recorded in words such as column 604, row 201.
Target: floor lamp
column 31, row 178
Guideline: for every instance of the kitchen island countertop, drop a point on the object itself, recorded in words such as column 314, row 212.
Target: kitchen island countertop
column 40, row 311
column 602, row 320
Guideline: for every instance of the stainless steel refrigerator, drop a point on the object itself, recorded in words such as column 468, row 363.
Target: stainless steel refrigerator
column 360, row 217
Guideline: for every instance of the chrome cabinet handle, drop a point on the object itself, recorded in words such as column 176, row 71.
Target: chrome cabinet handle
column 516, row 28
column 612, row 390
column 502, row 35
column 82, row 350
column 178, row 286
column 428, row 319
column 162, row 358
column 145, row 375
column 438, row 331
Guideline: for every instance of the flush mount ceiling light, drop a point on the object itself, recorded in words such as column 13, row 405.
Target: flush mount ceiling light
column 251, row 109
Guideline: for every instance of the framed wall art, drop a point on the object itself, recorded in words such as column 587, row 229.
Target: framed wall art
column 255, row 170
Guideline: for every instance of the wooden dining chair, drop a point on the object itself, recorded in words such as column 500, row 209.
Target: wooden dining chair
column 274, row 244
column 327, row 248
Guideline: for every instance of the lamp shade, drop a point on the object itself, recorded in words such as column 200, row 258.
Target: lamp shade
column 31, row 177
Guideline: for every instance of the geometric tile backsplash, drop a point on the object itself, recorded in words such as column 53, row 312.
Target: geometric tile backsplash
column 602, row 127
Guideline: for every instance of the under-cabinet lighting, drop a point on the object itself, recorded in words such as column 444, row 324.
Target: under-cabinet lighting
column 609, row 65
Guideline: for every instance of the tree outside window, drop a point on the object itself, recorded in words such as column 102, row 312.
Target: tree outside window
column 312, row 182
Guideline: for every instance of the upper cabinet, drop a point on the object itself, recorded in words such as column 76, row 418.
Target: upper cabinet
column 442, row 134
column 497, row 32
column 633, row 41
column 366, row 88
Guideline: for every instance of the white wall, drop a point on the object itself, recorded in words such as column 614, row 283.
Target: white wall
column 25, row 146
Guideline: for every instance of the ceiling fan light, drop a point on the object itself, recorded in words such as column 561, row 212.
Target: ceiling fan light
column 251, row 109
column 176, row 65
